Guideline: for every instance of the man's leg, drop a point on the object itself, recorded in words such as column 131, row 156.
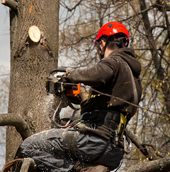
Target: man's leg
column 98, row 150
column 53, row 150
column 46, row 148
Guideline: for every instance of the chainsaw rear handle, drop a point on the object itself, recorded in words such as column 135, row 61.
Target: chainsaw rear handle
column 57, row 70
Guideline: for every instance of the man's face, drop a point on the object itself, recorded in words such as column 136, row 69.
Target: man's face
column 102, row 44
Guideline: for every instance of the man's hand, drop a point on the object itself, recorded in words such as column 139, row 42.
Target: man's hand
column 83, row 94
column 66, row 74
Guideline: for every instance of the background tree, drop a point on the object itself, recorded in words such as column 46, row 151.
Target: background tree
column 4, row 91
column 148, row 24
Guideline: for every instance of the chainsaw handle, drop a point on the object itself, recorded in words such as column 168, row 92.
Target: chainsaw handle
column 57, row 70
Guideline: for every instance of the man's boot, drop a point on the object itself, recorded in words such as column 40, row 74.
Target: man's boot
column 97, row 168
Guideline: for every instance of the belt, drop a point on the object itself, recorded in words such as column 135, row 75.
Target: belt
column 91, row 116
column 113, row 120
column 109, row 119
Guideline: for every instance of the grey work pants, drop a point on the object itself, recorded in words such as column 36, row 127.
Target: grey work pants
column 47, row 150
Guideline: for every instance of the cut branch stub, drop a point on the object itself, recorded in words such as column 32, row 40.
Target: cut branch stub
column 11, row 4
column 34, row 33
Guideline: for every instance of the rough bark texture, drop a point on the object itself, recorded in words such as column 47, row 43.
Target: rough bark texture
column 161, row 165
column 17, row 121
column 30, row 65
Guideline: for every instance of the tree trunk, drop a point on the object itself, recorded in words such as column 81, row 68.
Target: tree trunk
column 155, row 55
column 30, row 65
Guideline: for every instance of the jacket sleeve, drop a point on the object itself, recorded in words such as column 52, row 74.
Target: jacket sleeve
column 95, row 76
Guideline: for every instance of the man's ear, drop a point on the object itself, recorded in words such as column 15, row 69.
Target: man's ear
column 98, row 52
column 103, row 43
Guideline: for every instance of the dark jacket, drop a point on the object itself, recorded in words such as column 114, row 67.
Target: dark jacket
column 111, row 76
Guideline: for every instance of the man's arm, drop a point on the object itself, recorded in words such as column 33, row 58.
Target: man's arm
column 96, row 76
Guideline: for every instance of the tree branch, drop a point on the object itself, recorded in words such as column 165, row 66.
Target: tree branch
column 11, row 4
column 16, row 121
column 161, row 165
column 155, row 53
column 70, row 9
column 138, row 143
column 160, row 5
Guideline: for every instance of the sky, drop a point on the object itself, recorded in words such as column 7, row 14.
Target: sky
column 4, row 64
column 4, row 37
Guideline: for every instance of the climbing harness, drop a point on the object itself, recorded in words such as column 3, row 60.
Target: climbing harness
column 58, row 86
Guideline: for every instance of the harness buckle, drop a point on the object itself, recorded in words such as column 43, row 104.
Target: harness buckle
column 122, row 125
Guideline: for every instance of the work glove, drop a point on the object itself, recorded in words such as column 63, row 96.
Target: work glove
column 66, row 74
column 83, row 94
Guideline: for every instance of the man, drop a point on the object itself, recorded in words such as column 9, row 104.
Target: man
column 105, row 111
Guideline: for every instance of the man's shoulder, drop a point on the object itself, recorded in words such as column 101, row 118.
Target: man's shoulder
column 114, row 58
column 112, row 62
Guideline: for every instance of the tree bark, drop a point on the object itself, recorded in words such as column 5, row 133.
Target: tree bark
column 161, row 165
column 30, row 65
column 16, row 121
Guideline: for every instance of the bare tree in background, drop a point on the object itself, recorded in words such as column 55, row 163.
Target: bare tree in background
column 148, row 24
column 4, row 91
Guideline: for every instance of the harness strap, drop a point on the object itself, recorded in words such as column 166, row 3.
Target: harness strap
column 82, row 128
column 123, row 119
column 134, row 90
column 106, row 128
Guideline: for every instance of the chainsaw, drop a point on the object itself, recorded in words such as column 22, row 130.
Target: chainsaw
column 68, row 93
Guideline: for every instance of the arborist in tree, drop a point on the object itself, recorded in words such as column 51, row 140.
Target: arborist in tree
column 105, row 110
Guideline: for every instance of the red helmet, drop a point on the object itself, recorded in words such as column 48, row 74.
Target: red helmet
column 112, row 28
